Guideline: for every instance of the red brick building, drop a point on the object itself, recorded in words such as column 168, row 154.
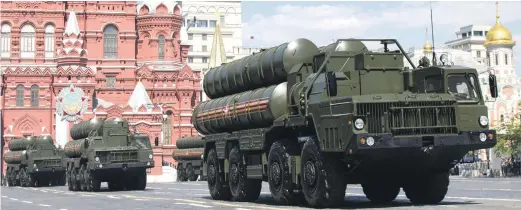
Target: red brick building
column 130, row 56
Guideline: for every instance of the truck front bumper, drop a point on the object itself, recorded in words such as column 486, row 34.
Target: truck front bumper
column 129, row 165
column 411, row 148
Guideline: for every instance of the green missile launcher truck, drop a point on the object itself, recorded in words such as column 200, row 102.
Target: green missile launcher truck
column 309, row 121
column 34, row 162
column 189, row 155
column 105, row 150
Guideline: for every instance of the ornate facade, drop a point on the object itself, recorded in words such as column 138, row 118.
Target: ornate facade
column 57, row 55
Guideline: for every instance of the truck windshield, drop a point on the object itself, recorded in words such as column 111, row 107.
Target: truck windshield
column 462, row 87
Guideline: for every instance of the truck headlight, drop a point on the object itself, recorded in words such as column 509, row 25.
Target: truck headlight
column 150, row 156
column 34, row 165
column 482, row 137
column 202, row 157
column 97, row 159
column 483, row 121
column 359, row 124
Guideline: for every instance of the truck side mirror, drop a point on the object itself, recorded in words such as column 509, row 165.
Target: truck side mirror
column 492, row 83
column 156, row 141
column 331, row 83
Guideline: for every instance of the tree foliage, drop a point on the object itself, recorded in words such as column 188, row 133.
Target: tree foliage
column 509, row 136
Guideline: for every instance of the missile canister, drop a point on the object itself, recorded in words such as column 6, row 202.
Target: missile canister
column 82, row 130
column 190, row 142
column 248, row 110
column 188, row 154
column 19, row 144
column 73, row 149
column 15, row 157
column 268, row 67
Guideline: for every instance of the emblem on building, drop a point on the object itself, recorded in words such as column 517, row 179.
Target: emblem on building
column 71, row 103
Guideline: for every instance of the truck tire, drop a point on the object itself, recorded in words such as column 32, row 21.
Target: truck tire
column 218, row 188
column 83, row 173
column 141, row 180
column 241, row 188
column 323, row 184
column 279, row 177
column 93, row 183
column 189, row 172
column 75, row 179
column 181, row 174
column 381, row 192
column 427, row 189
column 69, row 179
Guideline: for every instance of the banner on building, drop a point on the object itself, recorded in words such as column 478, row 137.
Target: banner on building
column 71, row 103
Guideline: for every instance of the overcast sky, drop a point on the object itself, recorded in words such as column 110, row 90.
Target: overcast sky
column 273, row 23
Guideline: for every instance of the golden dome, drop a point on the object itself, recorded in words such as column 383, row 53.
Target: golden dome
column 499, row 34
column 427, row 48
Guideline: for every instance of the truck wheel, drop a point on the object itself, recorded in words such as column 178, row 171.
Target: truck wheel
column 241, row 188
column 83, row 181
column 75, row 180
column 69, row 179
column 216, row 184
column 381, row 192
column 194, row 177
column 180, row 173
column 323, row 184
column 141, row 180
column 62, row 180
column 189, row 172
column 93, row 183
column 279, row 177
column 429, row 189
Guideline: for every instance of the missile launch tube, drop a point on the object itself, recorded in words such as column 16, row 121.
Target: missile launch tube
column 187, row 154
column 19, row 144
column 268, row 67
column 15, row 157
column 247, row 110
column 73, row 149
column 82, row 130
column 190, row 142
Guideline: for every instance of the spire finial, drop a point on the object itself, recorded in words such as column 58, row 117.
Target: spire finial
column 497, row 11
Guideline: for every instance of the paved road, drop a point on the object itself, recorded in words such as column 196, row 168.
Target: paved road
column 463, row 194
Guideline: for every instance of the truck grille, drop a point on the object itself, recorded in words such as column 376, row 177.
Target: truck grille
column 48, row 163
column 123, row 156
column 413, row 118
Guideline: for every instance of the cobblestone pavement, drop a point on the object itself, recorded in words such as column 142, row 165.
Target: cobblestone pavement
column 464, row 193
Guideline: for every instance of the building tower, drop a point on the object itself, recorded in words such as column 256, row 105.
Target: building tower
column 217, row 53
column 500, row 56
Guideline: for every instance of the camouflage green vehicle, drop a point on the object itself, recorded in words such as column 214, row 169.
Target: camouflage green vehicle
column 104, row 150
column 311, row 120
column 189, row 155
column 34, row 162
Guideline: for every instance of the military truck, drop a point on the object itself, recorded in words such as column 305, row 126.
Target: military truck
column 105, row 150
column 189, row 155
column 309, row 121
column 34, row 162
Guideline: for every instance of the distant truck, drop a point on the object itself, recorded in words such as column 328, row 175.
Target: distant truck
column 189, row 158
column 34, row 162
column 311, row 120
column 105, row 150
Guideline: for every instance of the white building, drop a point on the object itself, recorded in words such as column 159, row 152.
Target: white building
column 201, row 33
column 488, row 50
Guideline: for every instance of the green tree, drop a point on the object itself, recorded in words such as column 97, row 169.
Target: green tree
column 509, row 137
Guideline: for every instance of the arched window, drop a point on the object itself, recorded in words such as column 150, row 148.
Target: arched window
column 49, row 41
column 110, row 41
column 161, row 48
column 20, row 95
column 28, row 41
column 5, row 41
column 506, row 59
column 497, row 60
column 167, row 129
column 35, row 94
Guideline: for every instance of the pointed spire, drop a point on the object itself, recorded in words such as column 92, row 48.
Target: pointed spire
column 217, row 54
column 72, row 26
column 140, row 97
